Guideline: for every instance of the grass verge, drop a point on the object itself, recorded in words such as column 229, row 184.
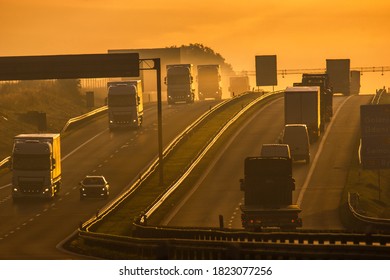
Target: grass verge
column 59, row 99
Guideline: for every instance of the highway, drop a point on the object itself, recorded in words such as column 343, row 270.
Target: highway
column 318, row 185
column 32, row 229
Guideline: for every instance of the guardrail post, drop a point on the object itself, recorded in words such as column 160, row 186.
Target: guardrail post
column 162, row 251
column 233, row 251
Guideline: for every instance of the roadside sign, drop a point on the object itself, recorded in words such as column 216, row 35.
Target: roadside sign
column 69, row 66
column 375, row 133
column 266, row 70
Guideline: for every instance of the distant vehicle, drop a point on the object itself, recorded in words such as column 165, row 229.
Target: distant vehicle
column 355, row 82
column 36, row 165
column 209, row 82
column 275, row 150
column 339, row 74
column 268, row 185
column 302, row 106
column 297, row 138
column 326, row 94
column 125, row 104
column 94, row 186
column 238, row 85
column 179, row 81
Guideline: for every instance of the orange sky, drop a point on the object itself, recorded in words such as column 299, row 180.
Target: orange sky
column 302, row 33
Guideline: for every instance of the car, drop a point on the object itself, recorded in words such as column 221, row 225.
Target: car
column 94, row 186
column 296, row 136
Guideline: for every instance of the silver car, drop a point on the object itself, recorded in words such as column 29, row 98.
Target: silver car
column 94, row 186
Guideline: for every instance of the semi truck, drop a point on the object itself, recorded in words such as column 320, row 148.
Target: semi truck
column 355, row 82
column 338, row 71
column 302, row 106
column 36, row 165
column 326, row 93
column 268, row 186
column 238, row 85
column 125, row 104
column 209, row 81
column 180, row 83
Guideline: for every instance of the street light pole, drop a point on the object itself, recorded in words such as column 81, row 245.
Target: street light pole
column 157, row 66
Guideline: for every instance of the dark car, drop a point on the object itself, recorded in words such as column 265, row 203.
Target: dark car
column 94, row 186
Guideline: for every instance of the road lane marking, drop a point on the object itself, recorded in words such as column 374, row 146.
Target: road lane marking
column 82, row 145
column 5, row 186
column 312, row 167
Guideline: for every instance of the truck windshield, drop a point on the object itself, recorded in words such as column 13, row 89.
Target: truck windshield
column 208, row 79
column 179, row 79
column 121, row 100
column 31, row 162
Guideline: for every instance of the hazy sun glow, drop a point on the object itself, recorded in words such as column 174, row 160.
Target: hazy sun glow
column 302, row 33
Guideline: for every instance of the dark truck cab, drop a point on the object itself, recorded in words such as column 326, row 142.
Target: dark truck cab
column 268, row 185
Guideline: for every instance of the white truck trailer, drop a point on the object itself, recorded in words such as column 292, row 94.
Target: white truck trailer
column 302, row 106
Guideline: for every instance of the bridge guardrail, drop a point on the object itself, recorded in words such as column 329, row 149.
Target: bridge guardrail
column 85, row 117
column 262, row 246
column 4, row 163
column 378, row 96
column 353, row 206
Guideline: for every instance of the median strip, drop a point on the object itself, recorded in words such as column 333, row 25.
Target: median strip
column 176, row 164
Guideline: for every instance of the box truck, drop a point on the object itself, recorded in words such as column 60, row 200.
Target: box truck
column 302, row 106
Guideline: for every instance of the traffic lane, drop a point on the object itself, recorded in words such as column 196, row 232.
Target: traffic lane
column 74, row 139
column 75, row 165
column 67, row 211
column 220, row 186
column 218, row 191
column 320, row 205
column 96, row 134
column 300, row 168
